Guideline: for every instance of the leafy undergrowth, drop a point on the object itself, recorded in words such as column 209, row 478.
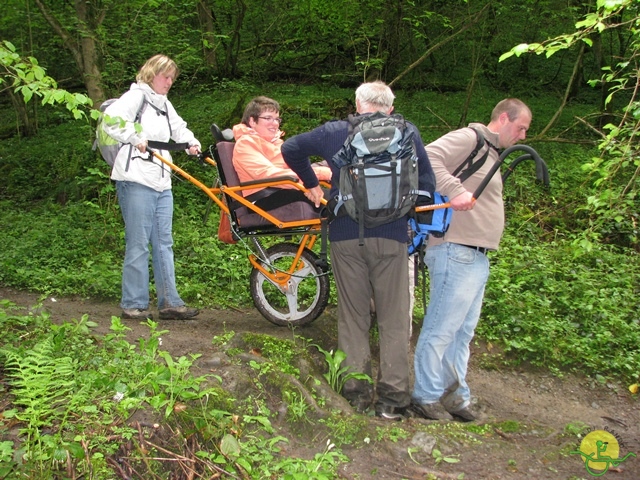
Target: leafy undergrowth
column 79, row 400
column 77, row 405
column 557, row 297
column 545, row 303
column 564, row 312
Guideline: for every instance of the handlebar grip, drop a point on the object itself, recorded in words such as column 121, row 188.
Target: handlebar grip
column 436, row 206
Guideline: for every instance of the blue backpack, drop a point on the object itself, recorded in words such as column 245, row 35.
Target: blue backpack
column 438, row 224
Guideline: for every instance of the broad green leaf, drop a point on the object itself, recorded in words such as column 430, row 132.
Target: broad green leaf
column 76, row 450
column 229, row 445
column 27, row 93
column 506, row 55
column 520, row 49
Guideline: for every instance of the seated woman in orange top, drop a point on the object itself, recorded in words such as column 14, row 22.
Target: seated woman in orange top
column 256, row 155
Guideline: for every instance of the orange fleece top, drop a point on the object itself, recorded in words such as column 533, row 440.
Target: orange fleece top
column 255, row 158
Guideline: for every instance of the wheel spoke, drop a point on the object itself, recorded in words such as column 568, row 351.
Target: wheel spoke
column 301, row 275
column 304, row 296
column 292, row 299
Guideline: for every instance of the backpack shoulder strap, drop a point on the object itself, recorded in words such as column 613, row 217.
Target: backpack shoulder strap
column 159, row 111
column 137, row 119
column 353, row 121
column 469, row 167
column 141, row 108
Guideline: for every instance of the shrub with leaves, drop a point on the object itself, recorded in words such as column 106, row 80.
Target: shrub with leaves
column 337, row 375
column 72, row 395
column 580, row 315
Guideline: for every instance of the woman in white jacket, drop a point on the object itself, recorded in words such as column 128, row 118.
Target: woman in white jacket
column 143, row 186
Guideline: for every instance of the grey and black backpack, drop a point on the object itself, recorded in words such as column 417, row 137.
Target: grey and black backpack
column 378, row 171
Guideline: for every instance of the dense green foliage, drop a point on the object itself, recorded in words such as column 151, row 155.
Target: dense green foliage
column 564, row 286
column 614, row 171
column 343, row 41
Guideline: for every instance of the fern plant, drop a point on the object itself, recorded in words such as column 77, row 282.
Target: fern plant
column 47, row 388
column 41, row 383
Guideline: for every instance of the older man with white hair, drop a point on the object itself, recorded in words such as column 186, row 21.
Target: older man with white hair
column 377, row 269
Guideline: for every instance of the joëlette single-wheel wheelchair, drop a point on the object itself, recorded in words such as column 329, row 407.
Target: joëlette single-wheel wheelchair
column 289, row 281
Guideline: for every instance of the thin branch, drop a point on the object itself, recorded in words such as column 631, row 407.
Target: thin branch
column 567, row 92
column 464, row 28
column 67, row 39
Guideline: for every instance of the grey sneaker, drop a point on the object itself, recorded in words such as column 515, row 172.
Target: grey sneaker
column 430, row 411
column 464, row 415
column 178, row 313
column 136, row 314
column 388, row 412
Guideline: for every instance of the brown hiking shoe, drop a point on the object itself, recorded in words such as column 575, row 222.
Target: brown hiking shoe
column 463, row 415
column 430, row 411
column 178, row 313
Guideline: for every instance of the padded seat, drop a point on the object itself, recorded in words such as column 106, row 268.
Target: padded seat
column 245, row 217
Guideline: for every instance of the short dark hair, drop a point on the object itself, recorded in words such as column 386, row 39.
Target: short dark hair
column 257, row 107
column 512, row 107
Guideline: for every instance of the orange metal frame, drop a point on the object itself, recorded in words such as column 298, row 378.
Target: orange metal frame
column 277, row 277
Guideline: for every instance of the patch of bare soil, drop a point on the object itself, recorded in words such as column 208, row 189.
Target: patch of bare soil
column 522, row 433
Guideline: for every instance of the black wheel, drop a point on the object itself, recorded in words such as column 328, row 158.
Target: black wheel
column 305, row 295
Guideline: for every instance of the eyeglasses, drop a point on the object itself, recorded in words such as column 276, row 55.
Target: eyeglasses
column 278, row 120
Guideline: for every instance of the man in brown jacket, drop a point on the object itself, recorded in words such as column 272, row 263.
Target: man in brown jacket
column 458, row 264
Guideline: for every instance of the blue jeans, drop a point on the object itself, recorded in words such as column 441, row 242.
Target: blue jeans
column 148, row 217
column 457, row 276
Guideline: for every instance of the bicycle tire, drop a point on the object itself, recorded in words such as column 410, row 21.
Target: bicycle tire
column 308, row 289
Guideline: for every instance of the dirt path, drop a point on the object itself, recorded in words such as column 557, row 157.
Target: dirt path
column 523, row 433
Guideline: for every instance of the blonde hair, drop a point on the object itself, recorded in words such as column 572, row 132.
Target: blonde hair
column 156, row 65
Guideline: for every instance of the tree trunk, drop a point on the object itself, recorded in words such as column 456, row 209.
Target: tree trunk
column 391, row 43
column 27, row 125
column 88, row 51
column 84, row 52
column 231, row 57
column 598, row 59
column 476, row 68
column 208, row 34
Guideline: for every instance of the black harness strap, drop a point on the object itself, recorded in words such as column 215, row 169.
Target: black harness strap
column 151, row 143
column 167, row 146
column 469, row 167
column 322, row 261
